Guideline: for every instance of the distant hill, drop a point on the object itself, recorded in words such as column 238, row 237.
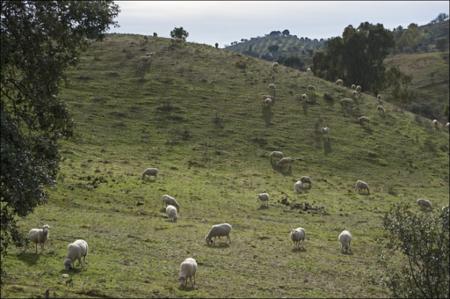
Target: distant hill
column 430, row 81
column 286, row 46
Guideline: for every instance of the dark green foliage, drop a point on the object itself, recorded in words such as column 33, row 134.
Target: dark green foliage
column 179, row 32
column 292, row 61
column 39, row 41
column 422, row 239
column 356, row 57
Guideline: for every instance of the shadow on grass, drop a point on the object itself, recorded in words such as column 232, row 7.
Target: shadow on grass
column 187, row 288
column 263, row 207
column 298, row 249
column 347, row 253
column 218, row 245
column 28, row 257
column 72, row 271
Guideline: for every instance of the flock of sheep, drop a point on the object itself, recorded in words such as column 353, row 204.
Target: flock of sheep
column 78, row 250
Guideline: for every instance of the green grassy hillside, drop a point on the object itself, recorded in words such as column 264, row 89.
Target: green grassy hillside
column 195, row 113
column 430, row 80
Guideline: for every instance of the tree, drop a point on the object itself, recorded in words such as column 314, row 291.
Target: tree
column 399, row 84
column 442, row 17
column 273, row 48
column 442, row 44
column 275, row 33
column 180, row 33
column 39, row 39
column 357, row 56
column 417, row 257
column 285, row 32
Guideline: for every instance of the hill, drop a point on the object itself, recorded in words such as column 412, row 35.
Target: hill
column 195, row 113
column 288, row 46
column 430, row 81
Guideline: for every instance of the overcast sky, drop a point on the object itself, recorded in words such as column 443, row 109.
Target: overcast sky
column 226, row 21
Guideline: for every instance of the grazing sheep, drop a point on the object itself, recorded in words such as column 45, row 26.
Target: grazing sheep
column 275, row 156
column 306, row 180
column 447, row 125
column 298, row 236
column 353, row 86
column 363, row 120
column 304, row 97
column 381, row 110
column 379, row 100
column 171, row 213
column 299, row 186
column 355, row 95
column 308, row 70
column 151, row 172
column 39, row 235
column 361, row 185
column 424, row 203
column 275, row 66
column 272, row 86
column 285, row 164
column 218, row 230
column 345, row 238
column 358, row 88
column 264, row 198
column 310, row 88
column 76, row 251
column 346, row 103
column 325, row 130
column 339, row 82
column 169, row 200
column 267, row 102
column 187, row 271
column 436, row 124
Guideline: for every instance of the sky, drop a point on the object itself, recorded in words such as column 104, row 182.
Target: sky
column 209, row 22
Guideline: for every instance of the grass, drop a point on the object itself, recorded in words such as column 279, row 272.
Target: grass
column 167, row 118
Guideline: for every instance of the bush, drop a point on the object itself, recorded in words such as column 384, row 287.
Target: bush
column 417, row 257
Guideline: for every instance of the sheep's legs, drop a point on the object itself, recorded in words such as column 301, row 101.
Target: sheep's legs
column 229, row 240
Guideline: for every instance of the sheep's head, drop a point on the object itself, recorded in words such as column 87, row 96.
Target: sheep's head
column 182, row 280
column 68, row 264
column 208, row 240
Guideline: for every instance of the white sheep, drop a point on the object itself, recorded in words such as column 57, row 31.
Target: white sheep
column 275, row 156
column 308, row 70
column 353, row 86
column 267, row 102
column 325, row 130
column 272, row 86
column 188, row 268
column 299, row 186
column 169, row 200
column 424, row 203
column 310, row 88
column 275, row 66
column 361, row 185
column 304, row 97
column 436, row 123
column 306, row 180
column 39, row 235
column 76, row 251
column 381, row 110
column 447, row 125
column 355, row 95
column 298, row 236
column 345, row 238
column 358, row 88
column 363, row 120
column 264, row 198
column 171, row 213
column 339, row 82
column 218, row 230
column 285, row 164
column 151, row 172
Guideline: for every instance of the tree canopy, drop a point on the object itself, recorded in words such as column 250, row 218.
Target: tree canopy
column 356, row 57
column 39, row 40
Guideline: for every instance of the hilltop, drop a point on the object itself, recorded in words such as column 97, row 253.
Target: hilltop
column 288, row 46
column 194, row 112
